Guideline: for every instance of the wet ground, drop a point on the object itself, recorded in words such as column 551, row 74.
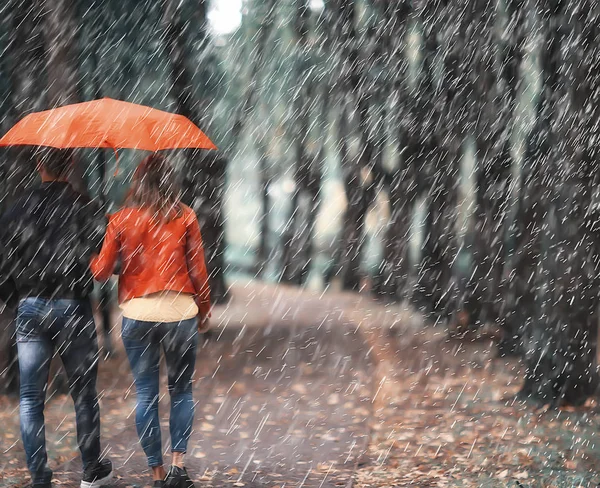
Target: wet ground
column 301, row 390
column 286, row 407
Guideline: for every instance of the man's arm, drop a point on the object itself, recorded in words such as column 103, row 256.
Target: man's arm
column 10, row 226
column 94, row 226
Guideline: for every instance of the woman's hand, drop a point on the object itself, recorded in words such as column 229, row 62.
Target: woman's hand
column 203, row 324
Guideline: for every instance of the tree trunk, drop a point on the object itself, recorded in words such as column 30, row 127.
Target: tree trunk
column 204, row 171
column 352, row 239
column 561, row 351
column 265, row 11
column 494, row 170
column 297, row 239
column 395, row 267
column 60, row 28
column 523, row 297
column 478, row 87
column 523, row 308
column 358, row 183
column 24, row 60
column 265, row 209
column 512, row 56
column 437, row 162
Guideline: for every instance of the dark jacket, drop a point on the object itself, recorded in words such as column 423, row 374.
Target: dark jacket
column 47, row 239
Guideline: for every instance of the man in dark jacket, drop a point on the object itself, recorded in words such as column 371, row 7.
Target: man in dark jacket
column 47, row 238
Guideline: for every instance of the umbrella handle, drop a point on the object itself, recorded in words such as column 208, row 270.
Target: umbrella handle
column 116, row 157
column 117, row 162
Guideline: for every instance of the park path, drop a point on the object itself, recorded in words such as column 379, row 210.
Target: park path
column 297, row 389
column 285, row 392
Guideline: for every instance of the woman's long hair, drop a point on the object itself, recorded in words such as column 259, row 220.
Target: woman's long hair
column 155, row 189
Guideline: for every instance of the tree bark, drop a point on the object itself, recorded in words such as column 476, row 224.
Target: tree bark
column 265, row 10
column 561, row 350
column 358, row 183
column 488, row 121
column 395, row 267
column 203, row 170
column 266, row 179
column 60, row 28
column 297, row 239
column 358, row 200
column 437, row 161
column 511, row 312
column 24, row 61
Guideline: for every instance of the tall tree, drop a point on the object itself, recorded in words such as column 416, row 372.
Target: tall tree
column 199, row 190
column 511, row 311
column 439, row 157
column 60, row 26
column 24, row 58
column 265, row 11
column 350, row 94
column 395, row 267
column 489, row 124
column 297, row 239
column 561, row 351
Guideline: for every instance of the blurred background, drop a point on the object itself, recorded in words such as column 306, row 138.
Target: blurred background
column 312, row 106
column 439, row 155
column 405, row 149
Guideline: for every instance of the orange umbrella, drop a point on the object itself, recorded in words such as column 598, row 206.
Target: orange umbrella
column 107, row 123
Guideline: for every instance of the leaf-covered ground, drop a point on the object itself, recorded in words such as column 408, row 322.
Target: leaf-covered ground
column 116, row 402
column 296, row 389
column 446, row 415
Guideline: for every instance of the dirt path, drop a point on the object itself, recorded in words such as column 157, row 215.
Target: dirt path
column 282, row 401
column 279, row 408
column 302, row 390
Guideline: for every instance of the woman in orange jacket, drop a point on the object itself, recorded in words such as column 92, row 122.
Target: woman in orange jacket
column 164, row 296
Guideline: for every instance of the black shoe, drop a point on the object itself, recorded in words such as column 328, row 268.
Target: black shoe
column 98, row 474
column 158, row 484
column 44, row 474
column 178, row 478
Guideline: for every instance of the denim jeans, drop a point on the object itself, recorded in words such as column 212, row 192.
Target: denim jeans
column 143, row 341
column 46, row 326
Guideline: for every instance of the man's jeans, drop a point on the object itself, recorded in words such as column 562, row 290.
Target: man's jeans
column 46, row 326
column 143, row 341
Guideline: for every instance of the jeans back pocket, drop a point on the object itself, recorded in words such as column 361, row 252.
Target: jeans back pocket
column 29, row 321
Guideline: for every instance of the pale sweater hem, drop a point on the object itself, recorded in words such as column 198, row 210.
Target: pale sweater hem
column 164, row 306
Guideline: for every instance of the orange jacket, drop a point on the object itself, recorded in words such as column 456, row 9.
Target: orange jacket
column 155, row 256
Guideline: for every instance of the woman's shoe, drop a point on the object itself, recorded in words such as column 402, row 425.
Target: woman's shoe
column 158, row 484
column 178, row 478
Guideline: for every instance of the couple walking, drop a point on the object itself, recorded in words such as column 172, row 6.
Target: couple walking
column 54, row 242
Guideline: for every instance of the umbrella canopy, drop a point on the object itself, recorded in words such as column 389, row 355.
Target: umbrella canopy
column 107, row 123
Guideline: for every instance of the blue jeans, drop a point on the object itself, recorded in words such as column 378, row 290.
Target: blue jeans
column 143, row 341
column 46, row 326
